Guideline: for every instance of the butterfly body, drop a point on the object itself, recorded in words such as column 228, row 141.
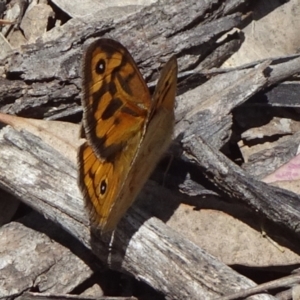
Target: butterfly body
column 126, row 132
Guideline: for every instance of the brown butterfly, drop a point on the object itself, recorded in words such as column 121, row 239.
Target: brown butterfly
column 126, row 131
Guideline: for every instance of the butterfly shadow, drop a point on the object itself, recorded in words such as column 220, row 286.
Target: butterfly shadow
column 154, row 206
column 154, row 201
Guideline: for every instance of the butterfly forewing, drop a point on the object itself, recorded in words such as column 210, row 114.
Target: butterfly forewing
column 157, row 138
column 165, row 91
column 116, row 99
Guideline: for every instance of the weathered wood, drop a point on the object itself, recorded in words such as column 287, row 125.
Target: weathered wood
column 285, row 282
column 284, row 68
column 276, row 205
column 267, row 161
column 44, row 81
column 50, row 68
column 282, row 95
column 79, row 9
column 141, row 245
column 206, row 110
column 38, row 296
column 38, row 252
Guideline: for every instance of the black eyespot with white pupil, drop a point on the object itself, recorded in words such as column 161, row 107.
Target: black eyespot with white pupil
column 103, row 187
column 101, row 66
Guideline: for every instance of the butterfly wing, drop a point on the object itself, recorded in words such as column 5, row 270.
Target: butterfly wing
column 165, row 91
column 116, row 100
column 116, row 104
column 126, row 132
column 99, row 184
column 157, row 138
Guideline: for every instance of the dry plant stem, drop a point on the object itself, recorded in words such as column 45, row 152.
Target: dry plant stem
column 142, row 246
column 285, row 282
column 276, row 205
column 6, row 22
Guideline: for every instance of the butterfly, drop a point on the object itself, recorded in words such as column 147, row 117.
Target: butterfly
column 126, row 130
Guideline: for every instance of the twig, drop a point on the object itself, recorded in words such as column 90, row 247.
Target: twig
column 279, row 283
